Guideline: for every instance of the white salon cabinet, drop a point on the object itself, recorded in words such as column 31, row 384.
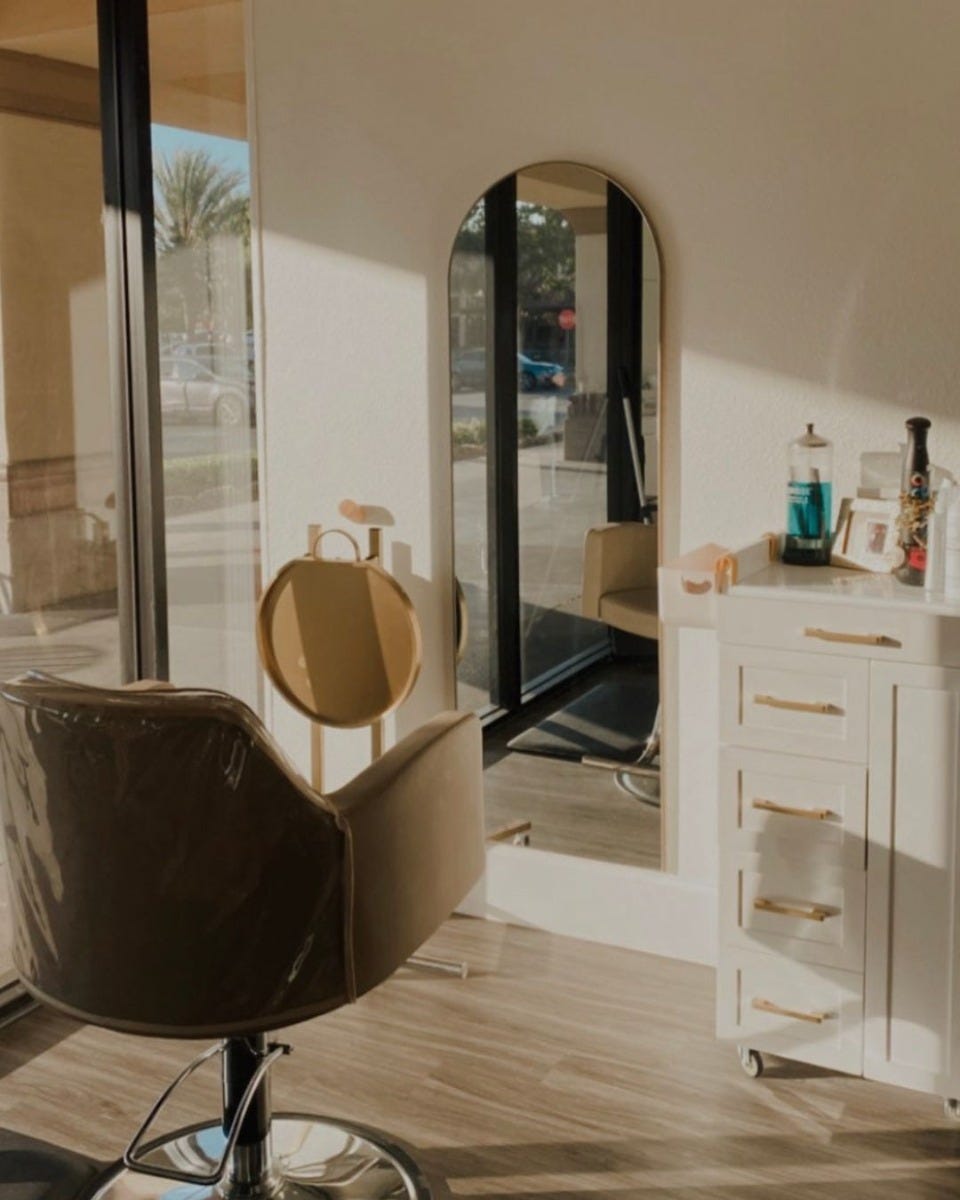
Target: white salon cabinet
column 839, row 840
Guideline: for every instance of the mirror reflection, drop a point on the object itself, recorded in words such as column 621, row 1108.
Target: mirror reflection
column 554, row 361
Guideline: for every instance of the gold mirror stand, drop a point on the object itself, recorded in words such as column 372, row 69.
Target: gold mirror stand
column 359, row 514
column 353, row 512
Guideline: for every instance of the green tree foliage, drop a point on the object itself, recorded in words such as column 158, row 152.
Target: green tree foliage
column 546, row 270
column 202, row 223
column 195, row 198
column 545, row 257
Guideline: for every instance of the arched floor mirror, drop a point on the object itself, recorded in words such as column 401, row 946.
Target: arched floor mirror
column 554, row 372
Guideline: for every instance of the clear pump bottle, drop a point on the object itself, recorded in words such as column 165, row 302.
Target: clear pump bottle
column 809, row 501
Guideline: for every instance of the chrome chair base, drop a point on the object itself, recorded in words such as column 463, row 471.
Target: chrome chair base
column 311, row 1159
column 641, row 779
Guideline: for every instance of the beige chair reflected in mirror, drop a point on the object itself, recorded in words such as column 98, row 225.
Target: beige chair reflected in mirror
column 620, row 577
column 172, row 876
column 620, row 589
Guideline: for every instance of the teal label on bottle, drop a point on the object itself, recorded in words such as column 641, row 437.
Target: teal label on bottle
column 809, row 509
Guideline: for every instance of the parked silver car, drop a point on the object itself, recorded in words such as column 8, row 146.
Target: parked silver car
column 190, row 392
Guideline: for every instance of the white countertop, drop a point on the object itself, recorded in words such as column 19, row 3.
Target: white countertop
column 778, row 581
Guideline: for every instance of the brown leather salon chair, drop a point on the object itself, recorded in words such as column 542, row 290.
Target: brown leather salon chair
column 172, row 876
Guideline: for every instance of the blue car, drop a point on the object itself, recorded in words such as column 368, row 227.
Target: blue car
column 469, row 370
column 532, row 374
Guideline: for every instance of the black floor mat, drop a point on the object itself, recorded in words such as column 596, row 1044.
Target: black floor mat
column 32, row 1170
column 612, row 720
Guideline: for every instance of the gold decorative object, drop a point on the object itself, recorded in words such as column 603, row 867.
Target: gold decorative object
column 339, row 637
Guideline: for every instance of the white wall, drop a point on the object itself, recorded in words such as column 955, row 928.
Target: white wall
column 799, row 162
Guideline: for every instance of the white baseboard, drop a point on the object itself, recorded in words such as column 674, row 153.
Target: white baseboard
column 617, row 905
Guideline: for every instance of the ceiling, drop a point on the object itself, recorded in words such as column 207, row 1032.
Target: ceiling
column 562, row 185
column 197, row 64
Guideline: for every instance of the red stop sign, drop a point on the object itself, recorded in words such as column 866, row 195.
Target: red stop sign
column 566, row 318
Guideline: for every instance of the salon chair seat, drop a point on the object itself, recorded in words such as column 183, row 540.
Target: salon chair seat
column 172, row 876
column 620, row 577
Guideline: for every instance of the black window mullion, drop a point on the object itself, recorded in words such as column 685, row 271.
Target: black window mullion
column 624, row 323
column 501, row 409
column 132, row 317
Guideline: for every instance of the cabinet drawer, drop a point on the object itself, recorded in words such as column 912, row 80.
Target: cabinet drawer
column 812, row 1014
column 813, row 915
column 782, row 806
column 851, row 630
column 797, row 703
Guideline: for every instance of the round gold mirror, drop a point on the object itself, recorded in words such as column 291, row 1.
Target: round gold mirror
column 339, row 639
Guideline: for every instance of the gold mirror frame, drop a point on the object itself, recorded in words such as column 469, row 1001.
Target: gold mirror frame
column 359, row 655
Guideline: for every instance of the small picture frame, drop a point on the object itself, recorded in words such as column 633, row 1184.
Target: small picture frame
column 867, row 537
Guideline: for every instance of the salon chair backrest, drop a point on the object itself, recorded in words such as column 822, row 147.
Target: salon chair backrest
column 620, row 577
column 170, row 874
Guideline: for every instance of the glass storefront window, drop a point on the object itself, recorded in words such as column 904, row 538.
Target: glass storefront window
column 468, row 384
column 561, row 410
column 58, row 470
column 60, row 499
column 201, row 171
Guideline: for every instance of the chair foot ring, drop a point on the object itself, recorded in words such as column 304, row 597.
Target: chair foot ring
column 314, row 1158
column 646, row 790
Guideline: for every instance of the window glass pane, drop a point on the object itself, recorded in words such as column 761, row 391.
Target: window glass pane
column 562, row 404
column 58, row 518
column 202, row 203
column 469, row 382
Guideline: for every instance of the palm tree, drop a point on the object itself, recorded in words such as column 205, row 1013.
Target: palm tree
column 196, row 198
column 202, row 216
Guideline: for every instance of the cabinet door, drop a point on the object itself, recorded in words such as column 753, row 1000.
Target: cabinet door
column 912, row 1006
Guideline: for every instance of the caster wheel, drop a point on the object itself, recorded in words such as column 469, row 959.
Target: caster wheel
column 751, row 1062
column 951, row 1109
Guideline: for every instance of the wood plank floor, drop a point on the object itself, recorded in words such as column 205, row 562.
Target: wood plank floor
column 6, row 964
column 574, row 809
column 558, row 1069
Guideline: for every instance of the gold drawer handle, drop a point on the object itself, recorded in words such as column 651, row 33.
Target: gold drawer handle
column 810, row 706
column 767, row 1006
column 809, row 814
column 694, row 588
column 853, row 639
column 811, row 913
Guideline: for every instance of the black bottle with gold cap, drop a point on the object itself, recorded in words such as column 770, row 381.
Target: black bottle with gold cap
column 914, row 504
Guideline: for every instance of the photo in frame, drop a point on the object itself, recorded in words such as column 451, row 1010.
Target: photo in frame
column 867, row 536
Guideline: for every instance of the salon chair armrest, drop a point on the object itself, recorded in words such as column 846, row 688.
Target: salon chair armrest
column 414, row 827
column 149, row 685
column 619, row 557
